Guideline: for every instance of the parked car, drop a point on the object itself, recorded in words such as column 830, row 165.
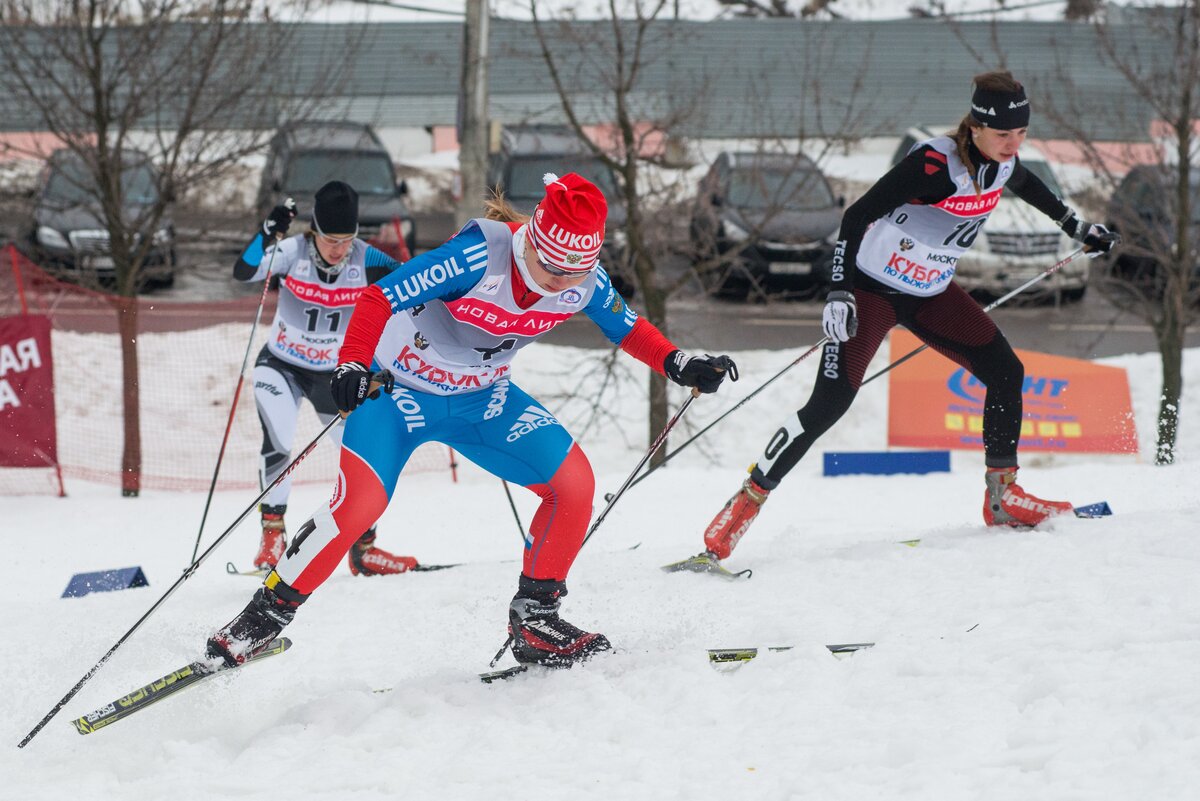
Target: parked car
column 1141, row 211
column 66, row 232
column 1019, row 242
column 526, row 153
column 304, row 156
column 765, row 220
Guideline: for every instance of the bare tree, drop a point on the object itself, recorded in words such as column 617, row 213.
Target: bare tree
column 188, row 84
column 647, row 106
column 617, row 63
column 1156, row 204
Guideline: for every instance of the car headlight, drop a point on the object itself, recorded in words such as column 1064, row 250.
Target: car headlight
column 52, row 238
column 162, row 236
column 734, row 231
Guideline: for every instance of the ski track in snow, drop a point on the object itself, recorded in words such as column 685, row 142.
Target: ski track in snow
column 1053, row 664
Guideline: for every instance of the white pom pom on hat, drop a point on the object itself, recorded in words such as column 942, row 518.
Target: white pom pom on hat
column 549, row 178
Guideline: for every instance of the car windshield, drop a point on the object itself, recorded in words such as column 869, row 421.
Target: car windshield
column 70, row 183
column 368, row 173
column 525, row 175
column 796, row 190
column 1042, row 170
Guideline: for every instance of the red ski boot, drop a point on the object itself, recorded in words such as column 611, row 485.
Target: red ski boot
column 1006, row 504
column 732, row 522
column 270, row 550
column 367, row 560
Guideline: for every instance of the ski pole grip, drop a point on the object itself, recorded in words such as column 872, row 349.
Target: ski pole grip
column 383, row 380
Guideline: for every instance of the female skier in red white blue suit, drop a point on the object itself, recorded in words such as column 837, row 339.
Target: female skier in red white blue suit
column 447, row 325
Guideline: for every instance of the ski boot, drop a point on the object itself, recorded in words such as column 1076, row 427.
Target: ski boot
column 539, row 636
column 1005, row 503
column 272, row 607
column 367, row 560
column 732, row 522
column 270, row 549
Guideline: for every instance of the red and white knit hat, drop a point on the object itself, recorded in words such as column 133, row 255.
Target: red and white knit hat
column 568, row 225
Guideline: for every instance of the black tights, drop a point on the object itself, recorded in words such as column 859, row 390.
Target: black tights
column 952, row 324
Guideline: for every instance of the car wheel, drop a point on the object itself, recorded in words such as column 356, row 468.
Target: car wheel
column 1073, row 295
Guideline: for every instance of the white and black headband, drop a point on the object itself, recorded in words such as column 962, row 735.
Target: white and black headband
column 995, row 108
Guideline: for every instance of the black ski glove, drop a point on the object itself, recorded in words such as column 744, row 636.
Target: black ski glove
column 350, row 385
column 280, row 218
column 705, row 373
column 1096, row 238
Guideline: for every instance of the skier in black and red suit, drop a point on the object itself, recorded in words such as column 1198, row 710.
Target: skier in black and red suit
column 894, row 264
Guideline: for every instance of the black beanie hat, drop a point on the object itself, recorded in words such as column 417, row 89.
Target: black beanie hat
column 335, row 209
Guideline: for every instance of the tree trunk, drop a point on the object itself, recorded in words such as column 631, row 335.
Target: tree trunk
column 131, row 456
column 654, row 307
column 1170, row 349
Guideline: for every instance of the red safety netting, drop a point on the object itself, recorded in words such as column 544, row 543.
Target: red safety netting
column 188, row 358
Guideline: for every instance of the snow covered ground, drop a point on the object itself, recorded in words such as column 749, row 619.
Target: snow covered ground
column 1054, row 664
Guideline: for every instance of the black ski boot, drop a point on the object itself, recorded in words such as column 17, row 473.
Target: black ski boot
column 539, row 636
column 272, row 607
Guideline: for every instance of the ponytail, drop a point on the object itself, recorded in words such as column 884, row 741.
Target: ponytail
column 962, row 147
column 499, row 209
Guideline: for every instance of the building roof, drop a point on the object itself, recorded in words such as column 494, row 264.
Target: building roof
column 726, row 78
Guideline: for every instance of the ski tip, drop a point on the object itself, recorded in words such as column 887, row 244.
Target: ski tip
column 1101, row 509
column 719, row 656
column 909, row 543
column 500, row 675
column 849, row 647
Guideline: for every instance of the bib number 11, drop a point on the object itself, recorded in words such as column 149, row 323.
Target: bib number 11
column 333, row 319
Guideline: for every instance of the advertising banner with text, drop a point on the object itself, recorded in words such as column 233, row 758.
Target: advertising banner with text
column 1070, row 405
column 27, row 432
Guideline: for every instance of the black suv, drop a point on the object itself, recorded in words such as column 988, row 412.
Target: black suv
column 526, row 153
column 66, row 232
column 1141, row 211
column 304, row 156
column 767, row 221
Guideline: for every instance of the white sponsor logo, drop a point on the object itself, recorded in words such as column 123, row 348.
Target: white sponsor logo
column 533, row 418
column 496, row 402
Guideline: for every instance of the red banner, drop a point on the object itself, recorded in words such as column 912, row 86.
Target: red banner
column 27, row 433
column 1070, row 405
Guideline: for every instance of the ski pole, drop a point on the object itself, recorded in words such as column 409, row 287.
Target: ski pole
column 262, row 301
column 381, row 380
column 1070, row 257
column 513, row 505
column 731, row 410
column 654, row 446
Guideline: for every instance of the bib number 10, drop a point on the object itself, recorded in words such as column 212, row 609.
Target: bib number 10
column 333, row 319
column 964, row 233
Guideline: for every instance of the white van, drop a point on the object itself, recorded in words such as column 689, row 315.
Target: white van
column 1019, row 242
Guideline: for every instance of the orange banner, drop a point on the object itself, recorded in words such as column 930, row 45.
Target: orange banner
column 1070, row 405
